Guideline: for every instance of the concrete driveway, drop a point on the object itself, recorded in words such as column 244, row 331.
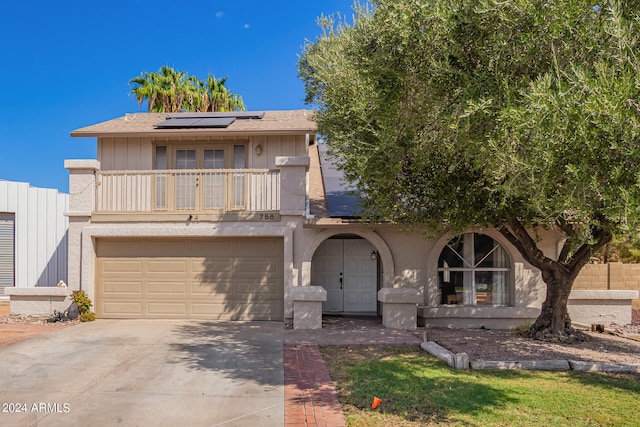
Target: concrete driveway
column 146, row 373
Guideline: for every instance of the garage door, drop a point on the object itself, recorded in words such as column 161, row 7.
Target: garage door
column 230, row 279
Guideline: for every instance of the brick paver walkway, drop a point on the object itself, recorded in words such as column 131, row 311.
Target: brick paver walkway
column 310, row 398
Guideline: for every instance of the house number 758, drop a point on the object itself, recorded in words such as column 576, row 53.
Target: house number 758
column 267, row 217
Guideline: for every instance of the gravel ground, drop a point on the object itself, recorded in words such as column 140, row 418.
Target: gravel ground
column 12, row 319
column 15, row 328
column 500, row 345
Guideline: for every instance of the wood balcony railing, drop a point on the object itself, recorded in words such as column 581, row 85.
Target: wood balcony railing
column 188, row 190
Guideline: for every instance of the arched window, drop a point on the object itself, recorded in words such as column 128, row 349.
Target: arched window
column 473, row 269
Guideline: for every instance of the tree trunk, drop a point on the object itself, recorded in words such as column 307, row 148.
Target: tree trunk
column 554, row 316
column 558, row 274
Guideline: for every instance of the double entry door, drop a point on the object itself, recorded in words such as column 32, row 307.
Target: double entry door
column 347, row 269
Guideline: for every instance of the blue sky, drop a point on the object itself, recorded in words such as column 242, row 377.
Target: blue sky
column 67, row 64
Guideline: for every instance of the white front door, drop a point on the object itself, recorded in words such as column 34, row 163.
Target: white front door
column 345, row 268
column 359, row 276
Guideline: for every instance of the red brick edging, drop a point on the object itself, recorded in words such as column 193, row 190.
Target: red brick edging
column 310, row 399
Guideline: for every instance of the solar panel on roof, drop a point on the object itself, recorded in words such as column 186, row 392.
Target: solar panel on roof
column 194, row 122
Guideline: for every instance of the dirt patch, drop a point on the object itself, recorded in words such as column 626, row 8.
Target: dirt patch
column 501, row 345
column 15, row 328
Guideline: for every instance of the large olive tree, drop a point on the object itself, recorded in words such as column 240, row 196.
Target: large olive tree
column 521, row 115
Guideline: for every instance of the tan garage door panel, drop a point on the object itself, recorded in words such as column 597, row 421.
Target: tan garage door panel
column 233, row 279
column 120, row 309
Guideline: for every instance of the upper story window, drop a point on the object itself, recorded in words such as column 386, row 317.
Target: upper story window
column 192, row 189
column 221, row 156
column 473, row 269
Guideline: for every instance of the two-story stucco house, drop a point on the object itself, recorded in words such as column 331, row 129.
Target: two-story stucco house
column 229, row 215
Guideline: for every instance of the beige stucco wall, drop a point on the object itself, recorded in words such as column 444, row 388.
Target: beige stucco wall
column 409, row 259
column 81, row 202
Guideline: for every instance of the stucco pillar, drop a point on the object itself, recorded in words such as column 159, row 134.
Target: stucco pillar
column 399, row 307
column 293, row 184
column 307, row 306
column 82, row 186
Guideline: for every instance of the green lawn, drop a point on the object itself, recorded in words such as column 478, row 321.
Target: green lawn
column 417, row 390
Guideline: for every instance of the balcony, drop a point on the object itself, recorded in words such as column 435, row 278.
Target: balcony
column 204, row 192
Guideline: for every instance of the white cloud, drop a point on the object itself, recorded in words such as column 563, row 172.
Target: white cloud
column 246, row 26
column 219, row 14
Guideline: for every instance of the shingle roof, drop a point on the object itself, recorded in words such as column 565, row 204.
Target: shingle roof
column 142, row 124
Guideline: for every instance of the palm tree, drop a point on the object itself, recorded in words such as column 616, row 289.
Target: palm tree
column 167, row 91
column 173, row 91
column 214, row 96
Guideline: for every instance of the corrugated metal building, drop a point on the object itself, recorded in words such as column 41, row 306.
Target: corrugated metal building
column 33, row 235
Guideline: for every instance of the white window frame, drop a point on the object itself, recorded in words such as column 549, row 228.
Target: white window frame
column 470, row 267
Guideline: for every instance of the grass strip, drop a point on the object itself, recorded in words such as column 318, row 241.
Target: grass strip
column 419, row 390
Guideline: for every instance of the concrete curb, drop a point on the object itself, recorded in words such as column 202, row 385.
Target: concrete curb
column 531, row 365
column 603, row 367
column 461, row 361
column 456, row 361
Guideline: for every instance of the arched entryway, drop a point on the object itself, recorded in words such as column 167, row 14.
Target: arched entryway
column 347, row 267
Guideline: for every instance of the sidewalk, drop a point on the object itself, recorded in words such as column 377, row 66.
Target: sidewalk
column 310, row 398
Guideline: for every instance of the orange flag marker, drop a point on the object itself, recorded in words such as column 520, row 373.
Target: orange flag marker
column 376, row 402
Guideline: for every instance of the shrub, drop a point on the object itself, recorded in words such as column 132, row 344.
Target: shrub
column 523, row 328
column 88, row 316
column 84, row 305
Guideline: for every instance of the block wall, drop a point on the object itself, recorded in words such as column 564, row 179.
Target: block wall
column 613, row 276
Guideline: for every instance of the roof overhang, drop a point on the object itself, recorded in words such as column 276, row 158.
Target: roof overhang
column 195, row 132
column 295, row 122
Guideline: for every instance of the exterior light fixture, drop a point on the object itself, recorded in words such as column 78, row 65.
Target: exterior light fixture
column 374, row 255
column 258, row 149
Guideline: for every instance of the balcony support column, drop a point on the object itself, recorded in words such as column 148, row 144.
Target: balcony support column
column 82, row 186
column 293, row 184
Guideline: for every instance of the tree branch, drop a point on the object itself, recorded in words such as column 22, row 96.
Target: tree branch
column 569, row 231
column 603, row 235
column 565, row 226
column 518, row 239
column 523, row 235
column 518, row 236
column 565, row 251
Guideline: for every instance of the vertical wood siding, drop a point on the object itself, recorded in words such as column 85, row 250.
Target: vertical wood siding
column 40, row 233
column 137, row 153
